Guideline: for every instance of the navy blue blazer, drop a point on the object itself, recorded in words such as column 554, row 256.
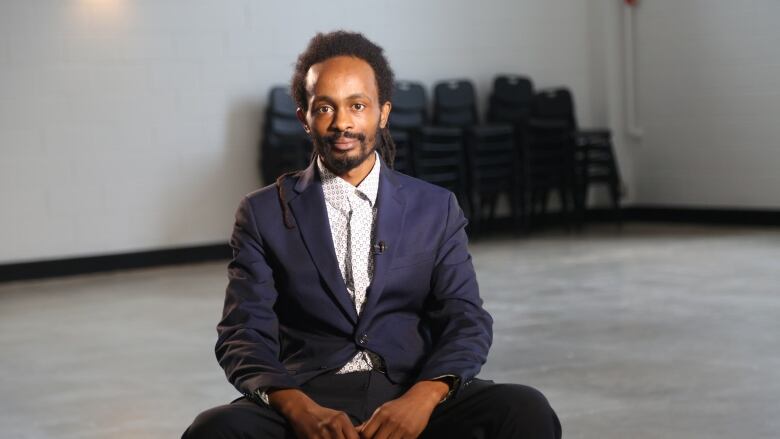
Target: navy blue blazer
column 288, row 316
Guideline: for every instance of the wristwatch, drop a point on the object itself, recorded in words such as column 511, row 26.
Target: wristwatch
column 258, row 396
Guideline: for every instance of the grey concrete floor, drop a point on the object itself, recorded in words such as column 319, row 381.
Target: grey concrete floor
column 657, row 331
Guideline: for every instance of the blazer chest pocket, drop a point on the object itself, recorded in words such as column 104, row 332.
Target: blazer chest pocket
column 410, row 260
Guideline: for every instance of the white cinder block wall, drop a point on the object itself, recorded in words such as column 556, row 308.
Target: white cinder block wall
column 130, row 125
column 709, row 103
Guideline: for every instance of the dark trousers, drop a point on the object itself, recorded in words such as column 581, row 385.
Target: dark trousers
column 482, row 410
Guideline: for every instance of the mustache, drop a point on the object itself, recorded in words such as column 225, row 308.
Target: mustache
column 332, row 138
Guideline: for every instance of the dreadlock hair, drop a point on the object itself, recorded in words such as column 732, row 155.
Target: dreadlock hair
column 342, row 43
column 288, row 222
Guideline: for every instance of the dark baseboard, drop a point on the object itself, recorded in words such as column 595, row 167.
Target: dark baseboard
column 743, row 217
column 124, row 261
column 214, row 252
column 735, row 217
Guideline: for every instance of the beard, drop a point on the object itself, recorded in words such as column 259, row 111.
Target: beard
column 342, row 162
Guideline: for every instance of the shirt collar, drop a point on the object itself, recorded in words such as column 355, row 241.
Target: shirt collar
column 336, row 189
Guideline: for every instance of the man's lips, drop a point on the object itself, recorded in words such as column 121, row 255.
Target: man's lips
column 344, row 144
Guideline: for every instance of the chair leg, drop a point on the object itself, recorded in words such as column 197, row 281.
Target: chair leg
column 581, row 202
column 492, row 204
column 515, row 208
column 566, row 209
column 614, row 191
column 475, row 218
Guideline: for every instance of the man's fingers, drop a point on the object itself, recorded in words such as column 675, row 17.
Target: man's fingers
column 350, row 432
column 339, row 427
column 323, row 432
column 328, row 433
column 383, row 432
column 381, row 426
column 369, row 427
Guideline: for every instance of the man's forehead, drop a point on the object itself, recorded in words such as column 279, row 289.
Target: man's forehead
column 342, row 75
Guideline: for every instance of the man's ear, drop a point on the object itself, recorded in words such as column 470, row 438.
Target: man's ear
column 302, row 117
column 384, row 114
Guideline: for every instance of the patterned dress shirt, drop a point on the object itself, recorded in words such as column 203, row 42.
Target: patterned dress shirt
column 352, row 215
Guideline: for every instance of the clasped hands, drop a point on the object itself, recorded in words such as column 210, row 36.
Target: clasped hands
column 402, row 418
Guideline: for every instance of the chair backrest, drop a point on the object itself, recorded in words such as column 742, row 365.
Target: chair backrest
column 281, row 103
column 280, row 117
column 282, row 126
column 514, row 90
column 285, row 145
column 409, row 106
column 406, row 121
column 409, row 96
column 555, row 104
column 511, row 99
column 455, row 104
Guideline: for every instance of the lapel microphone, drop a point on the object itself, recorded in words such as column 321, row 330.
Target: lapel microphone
column 380, row 247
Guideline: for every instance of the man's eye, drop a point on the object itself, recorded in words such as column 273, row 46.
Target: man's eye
column 358, row 106
column 323, row 109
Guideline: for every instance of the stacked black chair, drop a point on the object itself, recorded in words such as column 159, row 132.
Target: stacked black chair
column 285, row 145
column 491, row 160
column 548, row 156
column 438, row 159
column 454, row 109
column 510, row 103
column 409, row 114
column 403, row 151
column 596, row 164
column 594, row 157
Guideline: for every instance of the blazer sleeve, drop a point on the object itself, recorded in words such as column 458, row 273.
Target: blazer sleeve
column 248, row 335
column 461, row 328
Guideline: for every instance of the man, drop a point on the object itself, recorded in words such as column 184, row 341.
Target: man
column 352, row 309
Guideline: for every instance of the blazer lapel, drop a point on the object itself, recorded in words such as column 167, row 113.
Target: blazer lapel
column 311, row 215
column 390, row 219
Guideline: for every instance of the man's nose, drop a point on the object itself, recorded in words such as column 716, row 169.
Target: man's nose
column 342, row 121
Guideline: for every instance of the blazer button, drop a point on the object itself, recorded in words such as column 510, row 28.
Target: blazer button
column 364, row 339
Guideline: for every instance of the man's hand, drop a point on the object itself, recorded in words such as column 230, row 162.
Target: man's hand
column 309, row 419
column 407, row 416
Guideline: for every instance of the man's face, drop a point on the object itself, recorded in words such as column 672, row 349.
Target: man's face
column 344, row 114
